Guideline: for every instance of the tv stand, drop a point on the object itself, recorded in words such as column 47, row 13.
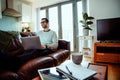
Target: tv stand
column 107, row 52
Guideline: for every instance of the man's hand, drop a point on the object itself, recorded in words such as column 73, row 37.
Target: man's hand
column 43, row 46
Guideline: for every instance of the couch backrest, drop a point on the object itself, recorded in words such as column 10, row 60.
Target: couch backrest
column 14, row 48
column 9, row 43
column 26, row 34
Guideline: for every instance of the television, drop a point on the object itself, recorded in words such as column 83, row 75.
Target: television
column 108, row 29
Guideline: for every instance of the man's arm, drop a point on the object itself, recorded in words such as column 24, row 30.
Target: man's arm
column 54, row 43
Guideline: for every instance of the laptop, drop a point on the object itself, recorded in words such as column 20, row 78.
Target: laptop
column 32, row 42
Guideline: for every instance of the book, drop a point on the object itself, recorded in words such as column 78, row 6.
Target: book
column 50, row 74
column 76, row 73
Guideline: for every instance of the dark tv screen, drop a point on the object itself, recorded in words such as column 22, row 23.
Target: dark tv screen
column 108, row 29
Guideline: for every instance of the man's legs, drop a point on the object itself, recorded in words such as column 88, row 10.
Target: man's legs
column 33, row 53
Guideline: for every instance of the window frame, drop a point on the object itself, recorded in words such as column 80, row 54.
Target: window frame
column 75, row 21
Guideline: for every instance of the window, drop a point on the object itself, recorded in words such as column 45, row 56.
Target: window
column 61, row 19
column 79, row 9
column 42, row 15
column 67, row 23
column 53, row 18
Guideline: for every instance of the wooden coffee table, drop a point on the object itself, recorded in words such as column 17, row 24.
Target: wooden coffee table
column 101, row 70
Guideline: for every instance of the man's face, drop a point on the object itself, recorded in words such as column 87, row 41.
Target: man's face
column 44, row 24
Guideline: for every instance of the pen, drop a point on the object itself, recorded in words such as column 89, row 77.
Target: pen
column 68, row 70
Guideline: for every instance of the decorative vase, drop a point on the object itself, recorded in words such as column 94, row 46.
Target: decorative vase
column 77, row 58
column 85, row 32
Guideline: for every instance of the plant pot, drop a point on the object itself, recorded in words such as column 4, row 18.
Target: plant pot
column 85, row 32
column 77, row 58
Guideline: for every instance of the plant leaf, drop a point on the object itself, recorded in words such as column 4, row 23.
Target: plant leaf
column 90, row 18
column 89, row 22
column 85, row 16
column 88, row 28
column 81, row 21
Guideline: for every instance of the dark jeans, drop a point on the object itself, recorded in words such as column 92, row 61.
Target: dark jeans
column 33, row 53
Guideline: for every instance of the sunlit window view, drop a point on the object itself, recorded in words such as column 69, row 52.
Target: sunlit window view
column 53, row 19
column 79, row 9
column 67, row 23
column 42, row 15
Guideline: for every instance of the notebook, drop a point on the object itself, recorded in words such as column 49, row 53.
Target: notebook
column 78, row 73
column 32, row 42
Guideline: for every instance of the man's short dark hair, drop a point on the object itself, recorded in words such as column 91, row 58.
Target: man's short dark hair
column 45, row 20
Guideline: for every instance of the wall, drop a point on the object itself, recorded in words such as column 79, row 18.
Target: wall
column 101, row 9
column 9, row 23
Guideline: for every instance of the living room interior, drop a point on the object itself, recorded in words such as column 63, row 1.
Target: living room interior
column 64, row 18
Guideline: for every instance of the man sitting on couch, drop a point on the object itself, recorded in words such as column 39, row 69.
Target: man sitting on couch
column 48, row 40
column 47, row 36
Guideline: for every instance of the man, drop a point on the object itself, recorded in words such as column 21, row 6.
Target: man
column 48, row 40
column 47, row 36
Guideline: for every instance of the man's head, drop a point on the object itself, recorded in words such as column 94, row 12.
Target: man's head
column 44, row 22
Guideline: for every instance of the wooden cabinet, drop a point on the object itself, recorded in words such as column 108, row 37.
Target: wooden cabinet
column 107, row 52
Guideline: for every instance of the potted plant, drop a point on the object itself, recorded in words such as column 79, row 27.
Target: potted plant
column 86, row 22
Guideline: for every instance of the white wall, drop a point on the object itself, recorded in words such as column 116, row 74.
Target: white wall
column 101, row 9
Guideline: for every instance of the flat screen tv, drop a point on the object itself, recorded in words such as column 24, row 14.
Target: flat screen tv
column 108, row 29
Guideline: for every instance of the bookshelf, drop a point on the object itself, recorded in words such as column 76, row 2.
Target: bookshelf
column 83, row 49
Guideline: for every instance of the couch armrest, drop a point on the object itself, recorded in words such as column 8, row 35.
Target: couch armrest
column 63, row 44
column 8, row 75
column 33, row 65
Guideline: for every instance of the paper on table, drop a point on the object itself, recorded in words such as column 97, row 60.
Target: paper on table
column 80, row 73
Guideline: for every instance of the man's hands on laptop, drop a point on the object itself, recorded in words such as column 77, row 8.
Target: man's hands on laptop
column 43, row 46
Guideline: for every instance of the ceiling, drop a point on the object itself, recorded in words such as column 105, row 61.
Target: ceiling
column 30, row 1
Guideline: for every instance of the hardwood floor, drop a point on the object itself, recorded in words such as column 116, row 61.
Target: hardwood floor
column 113, row 69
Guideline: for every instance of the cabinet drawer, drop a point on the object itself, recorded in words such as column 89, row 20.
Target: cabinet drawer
column 103, row 57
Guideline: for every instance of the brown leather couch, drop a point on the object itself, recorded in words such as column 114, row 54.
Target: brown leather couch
column 28, row 70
